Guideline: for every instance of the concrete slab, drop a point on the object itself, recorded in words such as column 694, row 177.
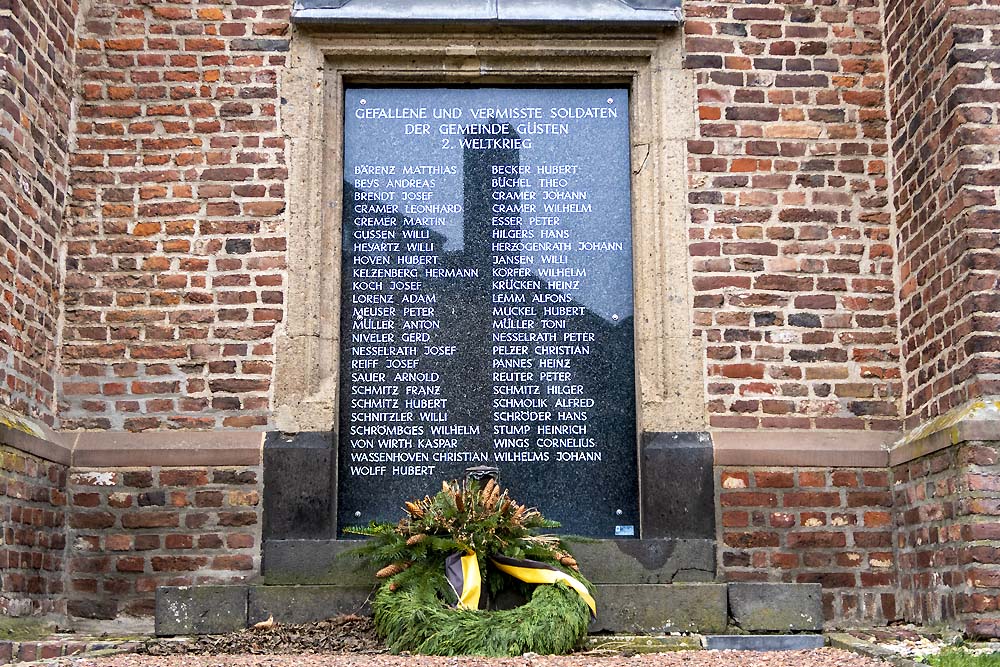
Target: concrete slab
column 763, row 642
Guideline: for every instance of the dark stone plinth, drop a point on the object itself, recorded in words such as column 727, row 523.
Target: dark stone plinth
column 678, row 487
column 763, row 642
column 200, row 610
column 661, row 561
column 315, row 562
column 764, row 607
column 660, row 608
column 305, row 604
column 602, row 561
column 299, row 485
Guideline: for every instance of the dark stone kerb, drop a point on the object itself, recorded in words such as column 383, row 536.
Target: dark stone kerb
column 496, row 12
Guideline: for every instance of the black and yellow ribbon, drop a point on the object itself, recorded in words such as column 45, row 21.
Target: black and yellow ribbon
column 462, row 571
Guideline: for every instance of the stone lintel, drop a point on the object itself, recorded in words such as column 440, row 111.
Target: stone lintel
column 840, row 449
column 492, row 12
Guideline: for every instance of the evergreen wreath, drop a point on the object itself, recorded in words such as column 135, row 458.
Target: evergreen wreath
column 415, row 605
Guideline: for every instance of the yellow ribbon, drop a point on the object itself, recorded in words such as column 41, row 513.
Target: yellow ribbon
column 468, row 597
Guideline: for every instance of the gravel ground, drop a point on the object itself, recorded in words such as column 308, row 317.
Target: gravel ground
column 820, row 658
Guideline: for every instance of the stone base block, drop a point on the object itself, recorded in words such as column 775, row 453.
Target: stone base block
column 763, row 607
column 645, row 608
column 657, row 561
column 304, row 604
column 302, row 562
column 660, row 608
column 200, row 610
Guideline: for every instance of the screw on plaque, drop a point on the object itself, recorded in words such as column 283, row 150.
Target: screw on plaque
column 482, row 474
column 615, row 317
column 357, row 515
column 618, row 512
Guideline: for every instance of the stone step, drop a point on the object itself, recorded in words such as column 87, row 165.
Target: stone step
column 618, row 644
column 648, row 609
column 654, row 561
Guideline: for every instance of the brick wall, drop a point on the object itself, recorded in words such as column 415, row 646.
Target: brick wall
column 948, row 537
column 32, row 517
column 945, row 96
column 175, row 257
column 790, row 235
column 812, row 525
column 36, row 38
column 132, row 530
column 175, row 254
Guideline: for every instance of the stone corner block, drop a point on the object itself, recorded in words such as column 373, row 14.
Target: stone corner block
column 660, row 608
column 766, row 607
column 200, row 610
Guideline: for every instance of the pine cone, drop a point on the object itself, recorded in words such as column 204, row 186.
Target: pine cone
column 414, row 509
column 568, row 561
column 416, row 539
column 393, row 587
column 391, row 570
column 459, row 501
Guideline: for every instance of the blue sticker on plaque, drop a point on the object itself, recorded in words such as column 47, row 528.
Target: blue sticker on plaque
column 487, row 308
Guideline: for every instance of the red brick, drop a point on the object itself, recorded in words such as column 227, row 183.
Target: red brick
column 150, row 519
column 750, row 540
column 234, row 562
column 817, row 540
column 748, row 499
column 811, row 499
column 774, row 480
column 177, row 563
column 183, row 477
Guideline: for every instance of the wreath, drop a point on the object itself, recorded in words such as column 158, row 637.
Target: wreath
column 436, row 562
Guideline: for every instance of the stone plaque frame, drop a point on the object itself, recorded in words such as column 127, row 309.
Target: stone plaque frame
column 669, row 361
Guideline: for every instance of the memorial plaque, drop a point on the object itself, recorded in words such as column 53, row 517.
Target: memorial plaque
column 487, row 308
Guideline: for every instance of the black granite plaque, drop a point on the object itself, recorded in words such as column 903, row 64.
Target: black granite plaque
column 487, row 310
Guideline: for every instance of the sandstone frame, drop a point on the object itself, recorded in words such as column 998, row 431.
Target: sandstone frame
column 669, row 362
